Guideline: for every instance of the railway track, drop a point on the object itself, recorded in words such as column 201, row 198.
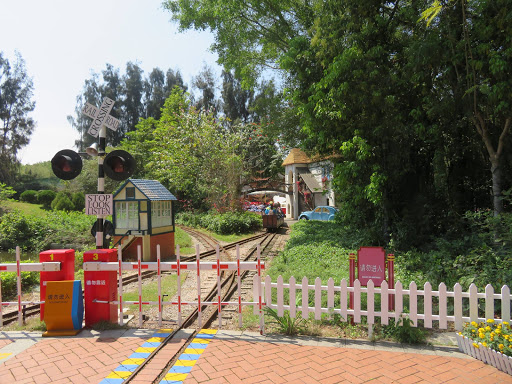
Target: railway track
column 205, row 240
column 209, row 313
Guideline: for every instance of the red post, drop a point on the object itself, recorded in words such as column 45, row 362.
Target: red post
column 352, row 277
column 67, row 269
column 100, row 285
column 391, row 279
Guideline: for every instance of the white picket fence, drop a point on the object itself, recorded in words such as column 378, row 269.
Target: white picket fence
column 464, row 305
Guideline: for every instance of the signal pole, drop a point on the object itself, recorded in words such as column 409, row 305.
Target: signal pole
column 118, row 165
column 101, row 183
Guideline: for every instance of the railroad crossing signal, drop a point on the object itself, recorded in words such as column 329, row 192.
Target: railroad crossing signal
column 66, row 164
column 118, row 165
column 100, row 116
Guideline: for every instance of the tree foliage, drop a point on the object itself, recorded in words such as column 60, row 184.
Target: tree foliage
column 16, row 92
column 135, row 97
column 189, row 151
column 417, row 114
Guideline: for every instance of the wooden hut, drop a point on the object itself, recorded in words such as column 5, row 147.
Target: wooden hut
column 144, row 215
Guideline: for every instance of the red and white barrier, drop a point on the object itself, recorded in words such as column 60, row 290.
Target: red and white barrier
column 19, row 267
column 178, row 266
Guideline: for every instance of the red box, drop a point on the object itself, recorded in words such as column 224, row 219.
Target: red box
column 67, row 269
column 100, row 285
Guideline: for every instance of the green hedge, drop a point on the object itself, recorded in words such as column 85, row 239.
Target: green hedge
column 29, row 196
column 222, row 223
column 35, row 234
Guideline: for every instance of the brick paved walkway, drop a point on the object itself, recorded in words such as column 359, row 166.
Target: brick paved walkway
column 234, row 360
column 233, row 357
column 68, row 360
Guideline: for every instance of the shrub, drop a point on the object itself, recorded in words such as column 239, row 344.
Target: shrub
column 45, row 197
column 17, row 229
column 222, row 223
column 403, row 331
column 62, row 203
column 231, row 222
column 78, row 199
column 36, row 234
column 29, row 196
column 9, row 289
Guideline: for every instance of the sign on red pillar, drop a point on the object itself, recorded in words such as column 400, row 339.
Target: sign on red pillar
column 371, row 265
column 67, row 269
column 100, row 285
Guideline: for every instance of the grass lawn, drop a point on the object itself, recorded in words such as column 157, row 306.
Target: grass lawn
column 26, row 208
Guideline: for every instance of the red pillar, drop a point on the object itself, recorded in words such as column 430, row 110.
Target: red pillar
column 352, row 277
column 100, row 285
column 67, row 269
column 391, row 279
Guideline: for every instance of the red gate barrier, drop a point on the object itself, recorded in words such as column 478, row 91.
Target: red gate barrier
column 67, row 269
column 100, row 286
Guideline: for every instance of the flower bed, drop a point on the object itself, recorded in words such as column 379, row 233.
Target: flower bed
column 488, row 342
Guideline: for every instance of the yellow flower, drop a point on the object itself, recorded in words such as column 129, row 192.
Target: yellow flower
column 476, row 345
column 481, row 335
column 490, row 321
column 487, row 328
column 501, row 346
column 484, row 344
column 498, row 331
column 505, row 323
column 474, row 324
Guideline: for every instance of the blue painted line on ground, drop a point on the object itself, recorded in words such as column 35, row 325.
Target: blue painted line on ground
column 197, row 346
column 150, row 345
column 171, row 382
column 180, row 369
column 139, row 355
column 189, row 356
column 204, row 336
column 161, row 335
column 126, row 367
column 111, row 381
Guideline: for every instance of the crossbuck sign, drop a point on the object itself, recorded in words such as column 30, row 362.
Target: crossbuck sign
column 100, row 116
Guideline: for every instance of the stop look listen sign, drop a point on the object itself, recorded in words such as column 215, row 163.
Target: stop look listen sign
column 99, row 204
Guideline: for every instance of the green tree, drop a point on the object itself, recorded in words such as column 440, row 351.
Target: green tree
column 16, row 92
column 235, row 100
column 133, row 90
column 250, row 36
column 477, row 34
column 189, row 152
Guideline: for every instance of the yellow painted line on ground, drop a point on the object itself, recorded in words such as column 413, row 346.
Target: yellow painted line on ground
column 4, row 355
column 175, row 376
column 119, row 375
column 208, row 331
column 201, row 341
column 133, row 361
column 145, row 349
column 186, row 363
column 193, row 351
column 155, row 340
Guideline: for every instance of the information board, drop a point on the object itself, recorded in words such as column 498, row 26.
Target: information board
column 371, row 265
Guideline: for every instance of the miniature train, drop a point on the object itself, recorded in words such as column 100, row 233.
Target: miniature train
column 272, row 222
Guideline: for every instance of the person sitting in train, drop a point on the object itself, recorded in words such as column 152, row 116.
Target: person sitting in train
column 277, row 210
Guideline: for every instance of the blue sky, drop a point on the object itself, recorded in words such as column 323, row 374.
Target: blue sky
column 62, row 42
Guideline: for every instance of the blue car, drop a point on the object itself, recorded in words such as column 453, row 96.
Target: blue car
column 319, row 213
